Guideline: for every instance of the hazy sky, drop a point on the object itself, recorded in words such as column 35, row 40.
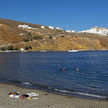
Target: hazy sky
column 67, row 14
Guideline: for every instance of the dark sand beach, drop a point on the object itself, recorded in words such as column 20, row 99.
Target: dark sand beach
column 46, row 100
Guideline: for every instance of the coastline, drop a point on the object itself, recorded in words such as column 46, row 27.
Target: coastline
column 85, row 50
column 46, row 100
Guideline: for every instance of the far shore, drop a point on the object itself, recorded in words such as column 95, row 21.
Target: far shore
column 47, row 50
column 46, row 100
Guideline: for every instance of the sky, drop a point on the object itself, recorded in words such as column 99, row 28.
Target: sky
column 68, row 14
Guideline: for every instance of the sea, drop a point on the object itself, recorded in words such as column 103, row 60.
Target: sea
column 80, row 74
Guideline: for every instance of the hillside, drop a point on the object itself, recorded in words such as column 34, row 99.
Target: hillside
column 96, row 30
column 35, row 37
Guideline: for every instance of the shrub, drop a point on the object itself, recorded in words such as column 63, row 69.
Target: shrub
column 50, row 37
column 2, row 48
column 37, row 37
column 10, row 47
column 31, row 39
column 26, row 48
column 16, row 48
column 29, row 34
column 30, row 47
column 62, row 36
column 25, row 40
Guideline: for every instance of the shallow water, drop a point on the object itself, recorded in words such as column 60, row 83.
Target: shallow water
column 43, row 70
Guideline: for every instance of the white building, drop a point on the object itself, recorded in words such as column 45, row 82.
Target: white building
column 21, row 34
column 58, row 28
column 70, row 31
column 50, row 27
column 26, row 26
column 96, row 30
column 22, row 49
column 42, row 27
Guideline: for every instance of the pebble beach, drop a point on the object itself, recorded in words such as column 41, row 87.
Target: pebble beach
column 45, row 100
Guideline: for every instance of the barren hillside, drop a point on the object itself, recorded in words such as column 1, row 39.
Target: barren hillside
column 38, row 37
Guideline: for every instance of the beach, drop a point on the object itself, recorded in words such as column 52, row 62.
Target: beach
column 46, row 100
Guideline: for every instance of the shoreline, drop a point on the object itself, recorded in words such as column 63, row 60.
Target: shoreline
column 7, row 51
column 46, row 99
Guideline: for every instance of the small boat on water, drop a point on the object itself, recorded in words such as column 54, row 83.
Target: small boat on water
column 73, row 51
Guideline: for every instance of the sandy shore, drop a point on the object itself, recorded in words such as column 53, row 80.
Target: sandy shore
column 46, row 100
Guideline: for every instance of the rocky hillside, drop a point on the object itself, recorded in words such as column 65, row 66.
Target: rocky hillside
column 15, row 35
column 96, row 30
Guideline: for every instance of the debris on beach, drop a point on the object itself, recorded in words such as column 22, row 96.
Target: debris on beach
column 33, row 96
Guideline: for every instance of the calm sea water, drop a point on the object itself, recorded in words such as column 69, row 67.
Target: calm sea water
column 43, row 70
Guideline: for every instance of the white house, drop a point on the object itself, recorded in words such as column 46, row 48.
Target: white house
column 26, row 26
column 58, row 28
column 42, row 27
column 70, row 31
column 21, row 34
column 50, row 27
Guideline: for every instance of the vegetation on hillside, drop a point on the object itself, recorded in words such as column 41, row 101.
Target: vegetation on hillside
column 11, row 38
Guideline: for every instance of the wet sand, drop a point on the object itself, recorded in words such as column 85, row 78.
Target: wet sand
column 46, row 100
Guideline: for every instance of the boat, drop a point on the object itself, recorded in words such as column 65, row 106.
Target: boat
column 73, row 51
